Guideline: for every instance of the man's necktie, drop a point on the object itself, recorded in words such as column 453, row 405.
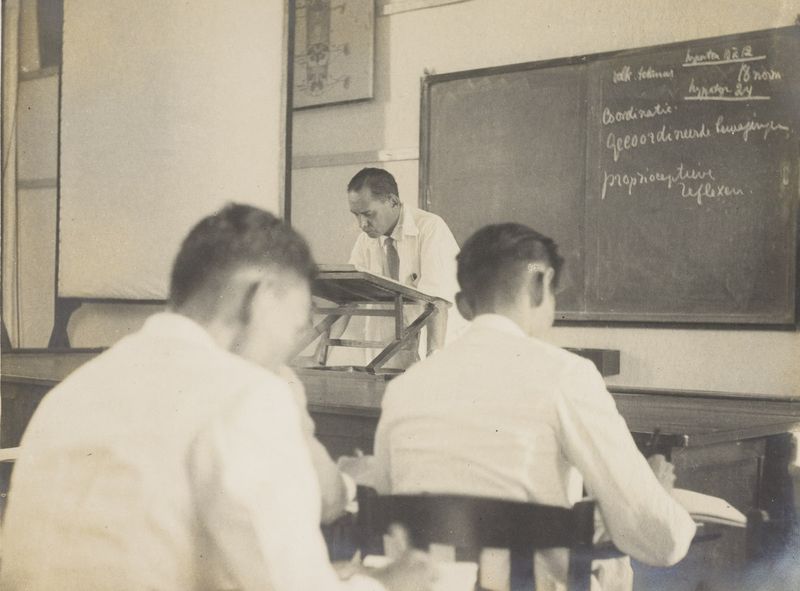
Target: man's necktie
column 392, row 259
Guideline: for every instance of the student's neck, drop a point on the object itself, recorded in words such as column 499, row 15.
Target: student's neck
column 221, row 332
column 234, row 339
column 522, row 316
column 511, row 312
column 218, row 328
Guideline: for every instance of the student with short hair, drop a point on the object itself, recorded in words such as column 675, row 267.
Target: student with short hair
column 501, row 413
column 176, row 459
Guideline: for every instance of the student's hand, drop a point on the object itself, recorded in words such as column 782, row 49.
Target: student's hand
column 412, row 570
column 359, row 467
column 664, row 471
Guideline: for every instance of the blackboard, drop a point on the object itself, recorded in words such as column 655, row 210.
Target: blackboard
column 668, row 175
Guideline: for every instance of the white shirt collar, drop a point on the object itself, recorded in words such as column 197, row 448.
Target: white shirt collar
column 499, row 322
column 406, row 226
column 177, row 326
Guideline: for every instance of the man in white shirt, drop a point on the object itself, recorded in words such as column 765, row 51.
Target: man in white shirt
column 176, row 459
column 409, row 245
column 501, row 413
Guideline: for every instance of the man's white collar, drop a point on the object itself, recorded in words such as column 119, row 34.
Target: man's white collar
column 406, row 226
column 499, row 322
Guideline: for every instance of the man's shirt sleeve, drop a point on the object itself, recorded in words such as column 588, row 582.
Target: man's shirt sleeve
column 382, row 443
column 335, row 486
column 642, row 518
column 438, row 250
column 258, row 497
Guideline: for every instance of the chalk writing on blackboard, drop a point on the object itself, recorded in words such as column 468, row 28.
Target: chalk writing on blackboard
column 633, row 141
column 686, row 182
column 746, row 127
column 708, row 155
column 723, row 92
column 634, row 114
column 730, row 55
column 628, row 74
column 746, row 72
column 619, row 144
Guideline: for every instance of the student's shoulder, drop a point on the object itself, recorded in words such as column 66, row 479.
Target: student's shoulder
column 408, row 384
column 262, row 394
column 578, row 379
column 543, row 350
column 251, row 402
column 565, row 364
column 247, row 378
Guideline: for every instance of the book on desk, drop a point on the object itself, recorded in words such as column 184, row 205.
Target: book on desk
column 709, row 509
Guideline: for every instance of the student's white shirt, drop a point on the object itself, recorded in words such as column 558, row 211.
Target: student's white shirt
column 499, row 414
column 338, row 490
column 427, row 251
column 166, row 463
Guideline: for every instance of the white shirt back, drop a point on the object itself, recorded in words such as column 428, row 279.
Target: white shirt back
column 166, row 463
column 499, row 414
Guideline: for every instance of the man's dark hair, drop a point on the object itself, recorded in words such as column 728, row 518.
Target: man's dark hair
column 380, row 182
column 495, row 259
column 234, row 237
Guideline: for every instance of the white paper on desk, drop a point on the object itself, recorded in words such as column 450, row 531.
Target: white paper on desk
column 709, row 509
column 450, row 576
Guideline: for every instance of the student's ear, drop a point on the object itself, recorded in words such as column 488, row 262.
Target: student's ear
column 245, row 303
column 536, row 289
column 464, row 307
column 540, row 285
column 394, row 200
column 549, row 275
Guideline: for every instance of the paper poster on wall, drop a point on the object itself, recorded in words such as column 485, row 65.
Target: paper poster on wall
column 333, row 51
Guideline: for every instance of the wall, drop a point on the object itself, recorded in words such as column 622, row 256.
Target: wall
column 331, row 143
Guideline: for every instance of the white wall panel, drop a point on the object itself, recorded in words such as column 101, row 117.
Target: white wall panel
column 169, row 109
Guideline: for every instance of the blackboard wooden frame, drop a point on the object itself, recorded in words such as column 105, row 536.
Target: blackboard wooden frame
column 616, row 319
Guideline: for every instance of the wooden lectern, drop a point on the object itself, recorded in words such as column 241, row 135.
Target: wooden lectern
column 346, row 290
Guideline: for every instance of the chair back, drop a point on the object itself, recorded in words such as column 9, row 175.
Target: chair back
column 473, row 523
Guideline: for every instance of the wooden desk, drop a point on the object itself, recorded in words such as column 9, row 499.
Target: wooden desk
column 721, row 444
column 688, row 421
column 729, row 446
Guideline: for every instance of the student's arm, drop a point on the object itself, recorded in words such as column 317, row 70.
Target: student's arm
column 258, row 500
column 642, row 518
column 437, row 328
column 334, row 490
column 335, row 494
column 382, row 469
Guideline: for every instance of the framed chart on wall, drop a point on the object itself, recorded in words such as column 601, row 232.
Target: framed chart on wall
column 333, row 51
